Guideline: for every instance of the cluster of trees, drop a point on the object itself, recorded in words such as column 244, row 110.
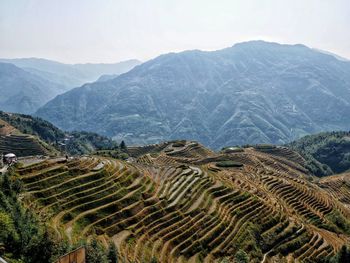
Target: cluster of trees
column 32, row 125
column 325, row 153
column 97, row 253
column 24, row 239
column 87, row 142
column 71, row 142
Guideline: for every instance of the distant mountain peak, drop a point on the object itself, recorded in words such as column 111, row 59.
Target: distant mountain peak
column 253, row 92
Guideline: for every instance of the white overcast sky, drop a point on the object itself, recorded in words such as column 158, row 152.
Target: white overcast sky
column 76, row 31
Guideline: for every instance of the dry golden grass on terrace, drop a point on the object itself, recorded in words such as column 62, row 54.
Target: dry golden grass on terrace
column 176, row 204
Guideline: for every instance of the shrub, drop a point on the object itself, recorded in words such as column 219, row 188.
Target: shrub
column 241, row 257
column 95, row 252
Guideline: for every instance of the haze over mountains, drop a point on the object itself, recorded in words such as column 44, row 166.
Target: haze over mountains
column 252, row 92
column 25, row 92
column 28, row 83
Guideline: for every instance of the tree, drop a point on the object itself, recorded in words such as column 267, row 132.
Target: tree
column 241, row 257
column 112, row 254
column 122, row 145
column 8, row 234
column 344, row 254
column 95, row 252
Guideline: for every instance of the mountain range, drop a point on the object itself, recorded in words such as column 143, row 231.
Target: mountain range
column 27, row 84
column 22, row 91
column 71, row 75
column 252, row 92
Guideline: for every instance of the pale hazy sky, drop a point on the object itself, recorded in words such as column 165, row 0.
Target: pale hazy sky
column 112, row 30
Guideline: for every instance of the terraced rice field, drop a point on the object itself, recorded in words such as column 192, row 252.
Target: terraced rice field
column 21, row 145
column 176, row 205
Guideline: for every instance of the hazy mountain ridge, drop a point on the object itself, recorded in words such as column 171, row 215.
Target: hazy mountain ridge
column 71, row 75
column 253, row 92
column 22, row 91
column 27, row 84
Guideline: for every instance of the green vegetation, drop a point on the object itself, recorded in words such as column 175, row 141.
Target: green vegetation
column 112, row 254
column 87, row 142
column 241, row 257
column 122, row 145
column 325, row 153
column 342, row 256
column 95, row 252
column 22, row 238
column 264, row 146
column 229, row 163
column 181, row 143
column 231, row 149
column 342, row 224
column 117, row 154
column 71, row 142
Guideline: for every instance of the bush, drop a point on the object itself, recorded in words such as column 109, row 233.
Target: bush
column 241, row 257
column 95, row 252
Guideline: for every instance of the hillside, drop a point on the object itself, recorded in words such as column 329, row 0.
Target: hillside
column 13, row 141
column 325, row 153
column 180, row 202
column 72, row 142
column 253, row 92
column 24, row 92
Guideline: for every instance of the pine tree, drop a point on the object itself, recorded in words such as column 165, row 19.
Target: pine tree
column 122, row 145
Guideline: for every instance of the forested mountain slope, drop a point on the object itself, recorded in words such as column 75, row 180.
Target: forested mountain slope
column 71, row 142
column 325, row 153
column 253, row 92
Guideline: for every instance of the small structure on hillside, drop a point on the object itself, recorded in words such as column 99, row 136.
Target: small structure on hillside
column 10, row 158
column 76, row 256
